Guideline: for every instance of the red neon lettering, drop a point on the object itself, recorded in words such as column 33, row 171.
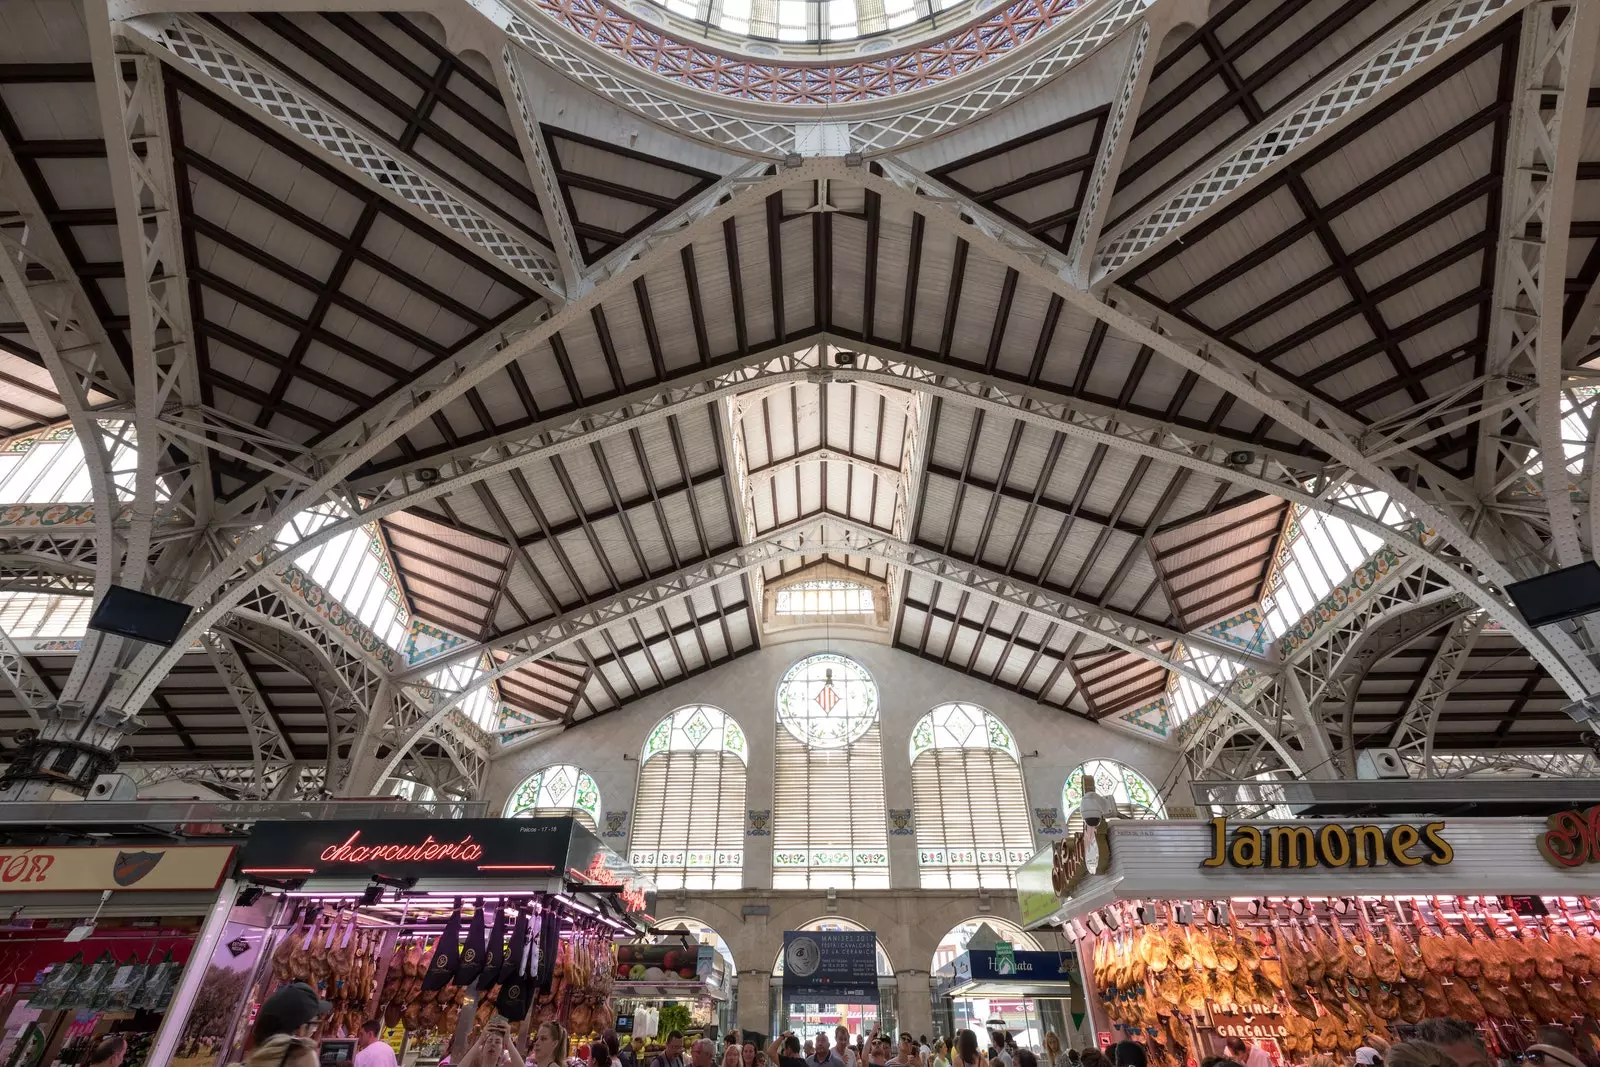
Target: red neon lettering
column 466, row 850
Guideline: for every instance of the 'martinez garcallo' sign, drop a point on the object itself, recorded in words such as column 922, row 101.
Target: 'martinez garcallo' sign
column 1320, row 844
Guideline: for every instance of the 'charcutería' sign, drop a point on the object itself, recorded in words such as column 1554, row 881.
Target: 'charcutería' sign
column 1291, row 845
column 90, row 869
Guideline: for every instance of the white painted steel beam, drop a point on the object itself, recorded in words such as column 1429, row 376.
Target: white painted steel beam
column 530, row 138
column 1413, row 735
column 831, row 534
column 1468, row 565
column 1390, row 60
column 269, row 748
column 254, row 555
column 206, row 51
column 1114, row 148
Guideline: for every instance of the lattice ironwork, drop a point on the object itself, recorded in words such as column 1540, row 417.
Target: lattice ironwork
column 269, row 748
column 1413, row 735
column 545, row 187
column 1113, row 146
column 251, row 79
column 753, row 134
column 1399, row 53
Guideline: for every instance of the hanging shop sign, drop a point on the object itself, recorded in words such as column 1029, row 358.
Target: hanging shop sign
column 1054, row 872
column 77, row 870
column 402, row 848
column 1573, row 838
column 1291, row 845
column 981, row 965
column 1255, row 1021
column 830, row 966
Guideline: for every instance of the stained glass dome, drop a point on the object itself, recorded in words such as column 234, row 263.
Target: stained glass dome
column 559, row 790
column 827, row 701
column 1136, row 798
column 806, row 20
column 697, row 728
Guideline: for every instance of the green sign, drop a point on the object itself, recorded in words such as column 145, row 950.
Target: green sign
column 1036, row 896
column 1005, row 959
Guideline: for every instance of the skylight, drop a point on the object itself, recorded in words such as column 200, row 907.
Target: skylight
column 806, row 20
column 353, row 568
column 481, row 707
column 824, row 596
column 1318, row 553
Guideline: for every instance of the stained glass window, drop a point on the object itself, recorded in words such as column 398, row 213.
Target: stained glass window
column 559, row 790
column 829, row 826
column 827, row 701
column 968, row 799
column 1136, row 798
column 688, row 811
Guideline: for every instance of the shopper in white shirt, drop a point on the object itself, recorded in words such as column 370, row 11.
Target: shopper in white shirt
column 841, row 1046
column 371, row 1049
column 1249, row 1055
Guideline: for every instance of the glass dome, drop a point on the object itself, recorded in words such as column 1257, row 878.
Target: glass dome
column 806, row 20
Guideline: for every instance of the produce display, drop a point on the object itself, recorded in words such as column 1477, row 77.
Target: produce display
column 1337, row 970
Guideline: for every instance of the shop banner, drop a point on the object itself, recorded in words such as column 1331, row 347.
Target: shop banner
column 1025, row 967
column 91, row 869
column 401, row 848
column 830, row 967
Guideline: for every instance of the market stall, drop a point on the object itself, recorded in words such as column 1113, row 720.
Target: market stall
column 1308, row 936
column 656, row 972
column 430, row 926
column 96, row 943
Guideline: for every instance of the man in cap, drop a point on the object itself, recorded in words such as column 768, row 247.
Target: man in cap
column 293, row 1010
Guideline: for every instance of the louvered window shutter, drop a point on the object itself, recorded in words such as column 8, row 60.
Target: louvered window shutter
column 688, row 820
column 972, row 818
column 828, row 820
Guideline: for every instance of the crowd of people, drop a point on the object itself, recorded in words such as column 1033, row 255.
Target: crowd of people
column 282, row 1037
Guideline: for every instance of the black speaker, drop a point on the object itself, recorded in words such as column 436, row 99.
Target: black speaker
column 1563, row 594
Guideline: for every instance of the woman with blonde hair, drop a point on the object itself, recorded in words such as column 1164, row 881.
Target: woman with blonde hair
column 549, row 1046
column 1054, row 1056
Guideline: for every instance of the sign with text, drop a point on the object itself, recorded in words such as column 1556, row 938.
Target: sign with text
column 401, row 848
column 139, row 868
column 830, row 967
column 1327, row 845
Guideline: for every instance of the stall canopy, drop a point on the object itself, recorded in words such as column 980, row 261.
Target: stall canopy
column 1312, row 857
column 999, row 973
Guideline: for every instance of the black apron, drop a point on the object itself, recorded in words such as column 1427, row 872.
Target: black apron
column 494, row 957
column 472, row 961
column 446, row 953
column 517, row 990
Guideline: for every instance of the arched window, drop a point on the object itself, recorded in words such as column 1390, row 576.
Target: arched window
column 971, row 806
column 559, row 790
column 688, row 813
column 956, row 941
column 828, row 825
column 1136, row 798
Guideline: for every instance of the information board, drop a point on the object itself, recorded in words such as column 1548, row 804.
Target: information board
column 830, row 967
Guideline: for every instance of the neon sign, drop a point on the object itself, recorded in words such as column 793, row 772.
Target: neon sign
column 600, row 871
column 465, row 851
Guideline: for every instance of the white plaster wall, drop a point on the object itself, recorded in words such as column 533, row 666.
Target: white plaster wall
column 608, row 747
